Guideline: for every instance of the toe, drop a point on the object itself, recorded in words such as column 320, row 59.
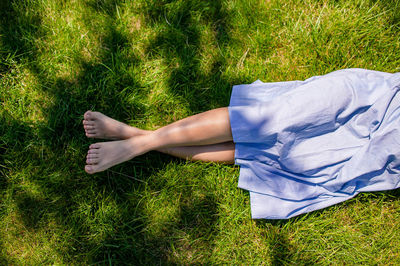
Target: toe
column 95, row 146
column 92, row 156
column 89, row 169
column 88, row 123
column 93, row 151
column 92, row 161
column 88, row 126
column 91, row 135
column 88, row 115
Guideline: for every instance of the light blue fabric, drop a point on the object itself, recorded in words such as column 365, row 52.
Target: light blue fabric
column 306, row 145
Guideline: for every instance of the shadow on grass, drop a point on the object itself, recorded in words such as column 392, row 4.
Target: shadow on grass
column 393, row 6
column 283, row 252
column 4, row 260
column 39, row 154
column 178, row 41
column 38, row 151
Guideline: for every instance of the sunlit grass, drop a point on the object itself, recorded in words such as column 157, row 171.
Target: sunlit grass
column 149, row 63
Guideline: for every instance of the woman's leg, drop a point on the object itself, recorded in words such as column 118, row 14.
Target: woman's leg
column 211, row 128
column 220, row 152
column 98, row 125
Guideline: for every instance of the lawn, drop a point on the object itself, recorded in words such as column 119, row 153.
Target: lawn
column 149, row 63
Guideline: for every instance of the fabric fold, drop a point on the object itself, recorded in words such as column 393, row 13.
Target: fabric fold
column 306, row 145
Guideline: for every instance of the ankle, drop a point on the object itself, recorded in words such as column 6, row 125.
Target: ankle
column 141, row 144
column 130, row 132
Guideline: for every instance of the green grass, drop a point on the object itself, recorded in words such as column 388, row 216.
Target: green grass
column 149, row 63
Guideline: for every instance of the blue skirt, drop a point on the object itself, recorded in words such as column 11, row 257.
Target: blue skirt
column 306, row 145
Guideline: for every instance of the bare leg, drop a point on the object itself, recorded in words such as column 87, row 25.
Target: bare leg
column 211, row 128
column 98, row 125
column 220, row 152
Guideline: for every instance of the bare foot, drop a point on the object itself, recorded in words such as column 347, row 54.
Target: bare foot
column 100, row 126
column 104, row 155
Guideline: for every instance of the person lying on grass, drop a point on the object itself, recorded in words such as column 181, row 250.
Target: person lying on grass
column 301, row 145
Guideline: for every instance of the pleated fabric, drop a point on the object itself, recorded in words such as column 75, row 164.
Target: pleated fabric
column 306, row 145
